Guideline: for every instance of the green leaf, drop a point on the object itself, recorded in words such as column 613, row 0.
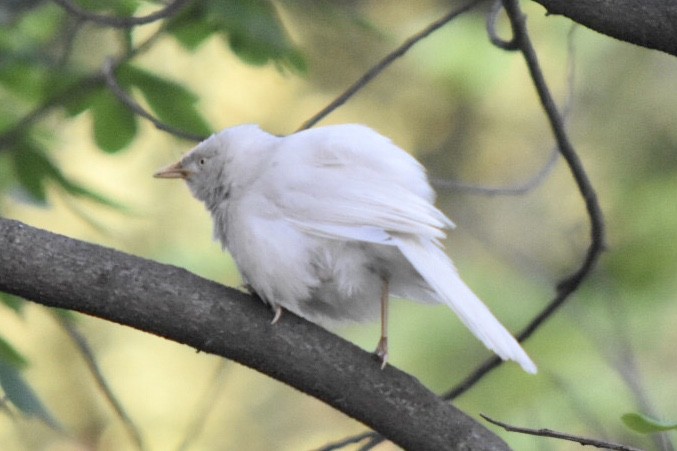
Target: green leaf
column 38, row 28
column 171, row 102
column 119, row 7
column 7, row 175
column 252, row 29
column 646, row 425
column 13, row 302
column 80, row 191
column 32, row 170
column 126, row 7
column 255, row 32
column 23, row 79
column 22, row 395
column 79, row 102
column 114, row 124
column 11, row 356
column 191, row 34
column 190, row 26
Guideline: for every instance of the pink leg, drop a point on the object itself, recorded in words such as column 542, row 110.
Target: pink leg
column 382, row 348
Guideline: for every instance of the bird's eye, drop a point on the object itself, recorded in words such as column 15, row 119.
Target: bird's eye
column 202, row 161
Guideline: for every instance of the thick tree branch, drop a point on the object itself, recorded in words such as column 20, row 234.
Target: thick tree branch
column 170, row 302
column 648, row 23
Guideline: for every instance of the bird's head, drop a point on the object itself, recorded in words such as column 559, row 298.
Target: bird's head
column 213, row 165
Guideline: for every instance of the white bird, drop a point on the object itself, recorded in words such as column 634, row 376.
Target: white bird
column 330, row 222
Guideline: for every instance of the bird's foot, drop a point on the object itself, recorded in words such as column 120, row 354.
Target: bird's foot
column 382, row 351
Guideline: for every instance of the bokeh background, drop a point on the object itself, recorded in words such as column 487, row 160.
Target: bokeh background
column 469, row 112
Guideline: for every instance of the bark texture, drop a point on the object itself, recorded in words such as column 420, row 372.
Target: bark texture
column 647, row 23
column 61, row 272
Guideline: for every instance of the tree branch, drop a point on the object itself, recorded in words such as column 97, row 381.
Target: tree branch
column 61, row 272
column 519, row 189
column 562, row 436
column 647, row 23
column 108, row 71
column 570, row 284
column 387, row 61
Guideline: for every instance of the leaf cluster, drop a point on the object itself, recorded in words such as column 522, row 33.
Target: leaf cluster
column 45, row 79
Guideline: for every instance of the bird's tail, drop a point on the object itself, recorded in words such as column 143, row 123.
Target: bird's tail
column 439, row 272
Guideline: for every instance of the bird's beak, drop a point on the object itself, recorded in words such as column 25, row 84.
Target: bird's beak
column 174, row 171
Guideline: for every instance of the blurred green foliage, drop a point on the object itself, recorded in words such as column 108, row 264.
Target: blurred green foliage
column 252, row 29
column 646, row 425
column 41, row 75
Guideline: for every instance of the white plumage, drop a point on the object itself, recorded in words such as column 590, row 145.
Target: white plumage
column 321, row 222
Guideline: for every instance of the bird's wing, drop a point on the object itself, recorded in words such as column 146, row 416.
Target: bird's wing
column 351, row 182
column 363, row 212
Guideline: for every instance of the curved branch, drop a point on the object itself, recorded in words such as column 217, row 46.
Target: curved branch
column 647, row 23
column 571, row 283
column 108, row 72
column 492, row 19
column 74, row 9
column 519, row 189
column 61, row 272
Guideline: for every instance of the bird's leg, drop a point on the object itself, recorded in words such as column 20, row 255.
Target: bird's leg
column 382, row 348
column 277, row 310
column 278, row 313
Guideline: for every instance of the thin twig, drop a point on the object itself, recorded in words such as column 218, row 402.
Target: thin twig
column 387, row 61
column 562, row 436
column 345, row 442
column 75, row 10
column 578, row 405
column 492, row 19
column 11, row 135
column 108, row 71
column 542, row 175
column 623, row 358
column 205, row 406
column 597, row 242
column 4, row 407
column 375, row 440
column 90, row 360
column 517, row 190
column 571, row 283
column 70, row 33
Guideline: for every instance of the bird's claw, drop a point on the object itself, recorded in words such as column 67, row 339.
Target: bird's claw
column 278, row 314
column 382, row 351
